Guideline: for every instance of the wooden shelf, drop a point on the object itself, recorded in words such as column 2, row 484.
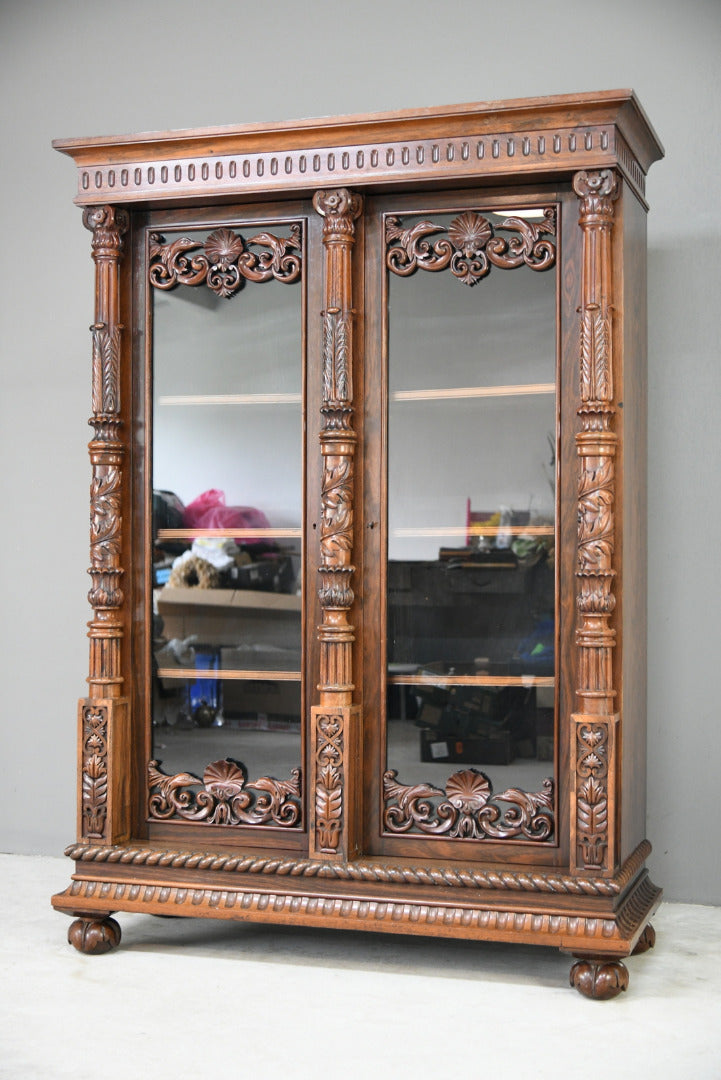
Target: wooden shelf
column 229, row 399
column 229, row 534
column 250, row 676
column 230, row 598
column 462, row 393
column 472, row 680
column 474, row 530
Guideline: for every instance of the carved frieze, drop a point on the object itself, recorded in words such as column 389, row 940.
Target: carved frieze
column 470, row 245
column 226, row 797
column 467, row 808
column 225, row 261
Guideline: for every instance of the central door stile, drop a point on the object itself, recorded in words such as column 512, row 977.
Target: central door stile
column 335, row 775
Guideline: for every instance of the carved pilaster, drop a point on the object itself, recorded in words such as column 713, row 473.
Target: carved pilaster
column 340, row 209
column 593, row 743
column 333, row 817
column 108, row 225
column 103, row 715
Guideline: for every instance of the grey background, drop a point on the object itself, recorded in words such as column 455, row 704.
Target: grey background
column 78, row 68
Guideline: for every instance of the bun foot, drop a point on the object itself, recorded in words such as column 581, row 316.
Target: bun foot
column 94, row 936
column 599, row 980
column 646, row 941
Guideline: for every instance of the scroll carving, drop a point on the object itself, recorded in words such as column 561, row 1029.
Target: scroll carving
column 467, row 808
column 329, row 781
column 94, row 770
column 225, row 261
column 226, row 797
column 471, row 245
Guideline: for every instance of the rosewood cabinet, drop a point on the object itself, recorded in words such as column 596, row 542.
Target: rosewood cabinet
column 367, row 528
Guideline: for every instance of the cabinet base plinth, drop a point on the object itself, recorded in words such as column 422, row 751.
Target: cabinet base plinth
column 599, row 927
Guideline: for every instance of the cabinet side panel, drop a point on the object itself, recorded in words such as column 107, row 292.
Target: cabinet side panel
column 632, row 532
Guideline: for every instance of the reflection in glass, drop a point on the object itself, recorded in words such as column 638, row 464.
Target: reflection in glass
column 227, row 509
column 471, row 525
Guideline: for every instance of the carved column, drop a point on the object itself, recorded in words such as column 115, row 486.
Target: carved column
column 595, row 723
column 335, row 734
column 103, row 714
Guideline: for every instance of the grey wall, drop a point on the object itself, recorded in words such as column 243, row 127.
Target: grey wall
column 81, row 68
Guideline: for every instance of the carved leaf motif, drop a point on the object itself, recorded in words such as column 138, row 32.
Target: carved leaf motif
column 592, row 807
column 337, row 386
column 596, row 382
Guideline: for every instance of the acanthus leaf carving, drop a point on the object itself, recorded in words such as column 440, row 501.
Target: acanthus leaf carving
column 596, row 377
column 226, row 796
column 595, row 517
column 337, row 376
column 337, row 507
column 106, row 369
column 468, row 808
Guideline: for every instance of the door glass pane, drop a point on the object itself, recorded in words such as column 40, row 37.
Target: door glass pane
column 471, row 518
column 227, row 466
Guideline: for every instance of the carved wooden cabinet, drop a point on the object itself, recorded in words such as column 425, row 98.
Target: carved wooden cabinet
column 367, row 528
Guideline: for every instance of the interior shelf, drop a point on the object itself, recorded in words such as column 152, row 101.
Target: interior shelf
column 462, row 393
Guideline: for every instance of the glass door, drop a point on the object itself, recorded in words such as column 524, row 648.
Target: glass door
column 226, row 304
column 468, row 595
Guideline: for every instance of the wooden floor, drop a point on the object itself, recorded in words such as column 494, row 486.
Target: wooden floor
column 186, row 997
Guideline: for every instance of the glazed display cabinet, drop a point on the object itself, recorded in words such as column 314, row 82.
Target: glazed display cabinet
column 367, row 550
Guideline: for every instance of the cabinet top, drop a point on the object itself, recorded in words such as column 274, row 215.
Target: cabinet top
column 486, row 141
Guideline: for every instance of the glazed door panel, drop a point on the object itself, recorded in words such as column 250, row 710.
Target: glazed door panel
column 226, row 352
column 466, row 748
